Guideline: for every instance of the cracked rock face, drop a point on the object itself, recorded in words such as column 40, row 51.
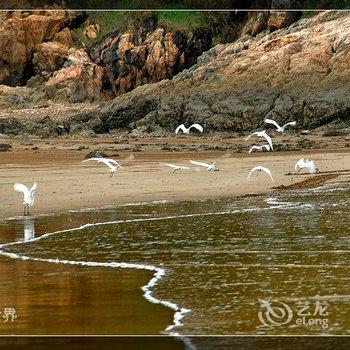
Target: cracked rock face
column 137, row 57
column 27, row 35
column 297, row 73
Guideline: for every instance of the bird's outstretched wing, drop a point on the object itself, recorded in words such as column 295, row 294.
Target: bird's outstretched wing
column 112, row 161
column 268, row 139
column 205, row 165
column 180, row 127
column 33, row 188
column 268, row 171
column 173, row 166
column 253, row 148
column 299, row 164
column 251, row 172
column 251, row 135
column 312, row 167
column 92, row 159
column 290, row 123
column 197, row 126
column 270, row 121
column 18, row 187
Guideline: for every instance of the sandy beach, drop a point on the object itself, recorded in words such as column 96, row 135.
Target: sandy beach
column 64, row 183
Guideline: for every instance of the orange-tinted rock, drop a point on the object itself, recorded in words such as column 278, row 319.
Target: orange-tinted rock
column 20, row 37
column 80, row 80
column 65, row 37
column 280, row 19
column 49, row 56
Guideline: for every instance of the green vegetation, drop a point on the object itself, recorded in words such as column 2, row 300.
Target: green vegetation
column 110, row 21
column 182, row 20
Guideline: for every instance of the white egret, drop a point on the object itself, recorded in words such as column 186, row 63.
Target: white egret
column 306, row 164
column 209, row 167
column 176, row 167
column 259, row 148
column 28, row 195
column 112, row 165
column 278, row 127
column 261, row 134
column 187, row 130
column 259, row 169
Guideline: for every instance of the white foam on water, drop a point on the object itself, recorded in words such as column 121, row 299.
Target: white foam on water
column 179, row 313
column 158, row 274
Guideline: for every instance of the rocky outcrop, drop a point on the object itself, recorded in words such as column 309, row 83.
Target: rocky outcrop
column 22, row 36
column 80, row 80
column 133, row 58
column 49, row 56
column 299, row 73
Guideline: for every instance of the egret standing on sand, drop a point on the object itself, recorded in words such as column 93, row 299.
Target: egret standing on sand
column 259, row 169
column 261, row 134
column 278, row 127
column 187, row 130
column 176, row 167
column 112, row 165
column 28, row 195
column 259, row 148
column 306, row 164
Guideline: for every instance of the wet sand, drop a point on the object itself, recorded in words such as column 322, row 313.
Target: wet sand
column 64, row 183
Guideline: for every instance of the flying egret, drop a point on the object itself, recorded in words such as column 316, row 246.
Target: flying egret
column 209, row 167
column 259, row 169
column 306, row 164
column 28, row 195
column 278, row 127
column 176, row 167
column 112, row 165
column 261, row 134
column 267, row 147
column 187, row 130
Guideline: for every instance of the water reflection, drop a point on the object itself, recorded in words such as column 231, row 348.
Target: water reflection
column 29, row 229
column 229, row 254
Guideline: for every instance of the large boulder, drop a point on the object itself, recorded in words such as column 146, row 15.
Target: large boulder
column 21, row 36
column 298, row 73
column 49, row 56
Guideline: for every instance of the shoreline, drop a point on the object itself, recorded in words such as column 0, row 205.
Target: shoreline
column 65, row 184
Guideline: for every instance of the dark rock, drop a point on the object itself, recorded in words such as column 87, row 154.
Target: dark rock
column 280, row 75
column 5, row 147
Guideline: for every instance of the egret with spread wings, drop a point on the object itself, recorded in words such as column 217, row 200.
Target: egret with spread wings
column 176, row 167
column 260, row 169
column 28, row 195
column 261, row 134
column 185, row 130
column 112, row 165
column 278, row 127
column 306, row 164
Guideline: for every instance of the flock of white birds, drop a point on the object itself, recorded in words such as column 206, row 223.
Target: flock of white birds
column 113, row 166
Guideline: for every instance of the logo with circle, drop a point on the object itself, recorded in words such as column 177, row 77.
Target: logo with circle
column 274, row 313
